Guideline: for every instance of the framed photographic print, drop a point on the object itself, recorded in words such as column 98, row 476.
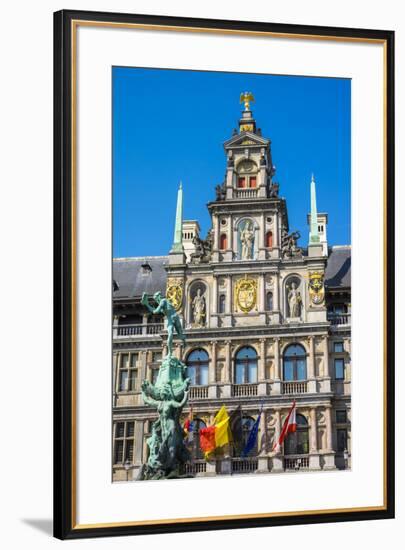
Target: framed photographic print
column 224, row 274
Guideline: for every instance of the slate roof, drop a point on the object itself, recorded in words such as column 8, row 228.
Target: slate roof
column 338, row 268
column 133, row 279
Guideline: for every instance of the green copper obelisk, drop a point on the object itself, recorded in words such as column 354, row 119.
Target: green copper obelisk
column 313, row 235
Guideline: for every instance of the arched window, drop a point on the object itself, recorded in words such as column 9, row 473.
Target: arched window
column 269, row 239
column 223, row 242
column 294, row 363
column 222, row 301
column 247, row 425
column 197, row 367
column 269, row 301
column 246, row 366
column 297, row 443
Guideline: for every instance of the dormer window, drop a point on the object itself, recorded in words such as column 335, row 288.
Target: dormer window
column 146, row 269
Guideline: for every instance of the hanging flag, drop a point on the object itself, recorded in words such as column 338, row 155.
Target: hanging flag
column 217, row 435
column 289, row 426
column 189, row 426
column 235, row 424
column 251, row 442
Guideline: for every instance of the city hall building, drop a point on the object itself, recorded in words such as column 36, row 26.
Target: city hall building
column 267, row 322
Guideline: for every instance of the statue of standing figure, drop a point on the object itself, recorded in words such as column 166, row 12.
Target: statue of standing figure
column 198, row 305
column 294, row 300
column 247, row 236
column 173, row 320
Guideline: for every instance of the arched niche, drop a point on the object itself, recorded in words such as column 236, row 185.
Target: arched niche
column 198, row 304
column 294, row 297
column 246, row 237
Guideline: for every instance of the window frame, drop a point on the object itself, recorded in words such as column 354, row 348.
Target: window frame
column 196, row 365
column 245, row 363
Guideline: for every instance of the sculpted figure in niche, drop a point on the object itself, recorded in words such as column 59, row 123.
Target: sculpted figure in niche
column 247, row 236
column 294, row 300
column 198, row 305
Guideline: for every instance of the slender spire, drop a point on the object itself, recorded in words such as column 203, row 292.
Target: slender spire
column 178, row 227
column 313, row 234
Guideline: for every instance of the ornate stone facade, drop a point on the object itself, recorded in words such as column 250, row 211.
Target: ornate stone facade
column 266, row 321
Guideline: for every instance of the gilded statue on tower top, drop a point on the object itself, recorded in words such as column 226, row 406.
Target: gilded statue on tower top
column 246, row 98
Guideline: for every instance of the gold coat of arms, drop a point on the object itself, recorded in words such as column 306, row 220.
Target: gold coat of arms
column 246, row 294
column 316, row 288
column 174, row 292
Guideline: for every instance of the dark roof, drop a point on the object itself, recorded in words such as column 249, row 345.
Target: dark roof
column 133, row 276
column 338, row 268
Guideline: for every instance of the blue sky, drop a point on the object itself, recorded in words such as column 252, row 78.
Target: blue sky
column 169, row 125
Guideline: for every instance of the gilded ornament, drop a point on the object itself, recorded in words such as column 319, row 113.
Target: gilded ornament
column 174, row 293
column 316, row 288
column 246, row 294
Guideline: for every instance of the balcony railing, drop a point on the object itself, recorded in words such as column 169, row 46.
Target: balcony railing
column 246, row 193
column 244, row 465
column 294, row 388
column 196, row 467
column 149, row 329
column 339, row 318
column 198, row 392
column 244, row 390
column 296, row 462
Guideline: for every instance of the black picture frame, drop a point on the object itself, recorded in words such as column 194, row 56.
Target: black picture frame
column 64, row 249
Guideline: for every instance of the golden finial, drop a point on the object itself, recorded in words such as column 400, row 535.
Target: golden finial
column 246, row 98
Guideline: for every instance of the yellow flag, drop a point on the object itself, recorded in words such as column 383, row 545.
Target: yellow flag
column 221, row 415
column 222, row 433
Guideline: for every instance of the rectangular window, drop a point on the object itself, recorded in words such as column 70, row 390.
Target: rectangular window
column 132, row 380
column 155, row 373
column 339, row 369
column 124, row 442
column 124, row 360
column 341, row 440
column 338, row 347
column 252, row 181
column 123, row 380
column 341, row 417
column 134, row 359
column 156, row 356
column 241, row 182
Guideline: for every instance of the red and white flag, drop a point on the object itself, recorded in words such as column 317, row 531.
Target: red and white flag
column 289, row 426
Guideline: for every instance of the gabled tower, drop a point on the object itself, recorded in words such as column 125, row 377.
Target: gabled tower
column 248, row 216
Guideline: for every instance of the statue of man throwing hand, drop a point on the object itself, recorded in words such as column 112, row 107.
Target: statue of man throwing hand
column 173, row 320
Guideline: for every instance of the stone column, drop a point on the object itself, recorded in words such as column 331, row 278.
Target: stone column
column 263, row 461
column 276, row 386
column 329, row 455
column 328, row 418
column 327, row 382
column 311, row 366
column 145, row 323
column 262, row 387
column 262, row 293
column 228, row 369
column 314, row 459
column 212, row 388
column 277, row 460
column 212, row 321
column 115, row 326
column 261, row 247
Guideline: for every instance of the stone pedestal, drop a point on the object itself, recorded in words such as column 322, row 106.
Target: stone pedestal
column 226, row 466
column 226, row 390
column 262, row 388
column 211, row 468
column 276, row 388
column 311, row 386
column 277, row 464
column 329, row 461
column 314, row 461
column 212, row 392
column 263, row 465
